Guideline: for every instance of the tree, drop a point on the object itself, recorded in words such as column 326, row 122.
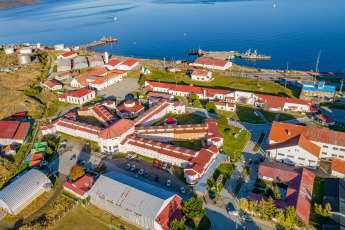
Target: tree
column 52, row 145
column 276, row 193
column 142, row 79
column 261, row 207
column 177, row 225
column 251, row 206
column 211, row 107
column 222, row 121
column 31, row 92
column 243, row 204
column 268, row 190
column 318, row 209
column 192, row 97
column 196, row 103
column 327, row 210
column 49, row 150
column 270, row 208
column 193, row 208
column 280, row 216
column 290, row 216
column 76, row 172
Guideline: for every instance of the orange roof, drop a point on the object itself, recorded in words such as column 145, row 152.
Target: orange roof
column 78, row 93
column 338, row 165
column 325, row 118
column 200, row 72
column 126, row 109
column 281, row 132
column 214, row 62
column 283, row 100
column 113, row 62
column 118, row 128
column 68, row 54
column 97, row 72
column 129, row 62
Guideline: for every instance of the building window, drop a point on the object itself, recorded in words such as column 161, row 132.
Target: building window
column 324, row 153
column 342, row 150
column 334, row 148
column 340, row 156
column 325, row 146
column 302, row 159
column 312, row 161
column 290, row 156
column 334, row 155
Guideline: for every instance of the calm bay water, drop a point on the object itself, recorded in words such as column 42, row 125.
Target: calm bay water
column 294, row 31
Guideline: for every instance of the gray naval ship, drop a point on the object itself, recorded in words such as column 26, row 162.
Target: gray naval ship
column 252, row 56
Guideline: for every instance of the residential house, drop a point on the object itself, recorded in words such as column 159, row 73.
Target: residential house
column 67, row 55
column 325, row 120
column 13, row 132
column 128, row 65
column 52, row 85
column 10, row 150
column 79, row 96
column 201, row 75
column 338, row 168
column 80, row 187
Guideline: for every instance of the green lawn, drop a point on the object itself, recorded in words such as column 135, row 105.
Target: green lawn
column 228, row 114
column 246, row 114
column 226, row 170
column 237, row 188
column 227, row 83
column 318, row 190
column 189, row 119
column 233, row 146
column 268, row 115
column 195, row 145
column 287, row 116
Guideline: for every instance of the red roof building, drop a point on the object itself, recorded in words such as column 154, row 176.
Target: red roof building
column 130, row 109
column 112, row 64
column 212, row 63
column 338, row 168
column 325, row 120
column 128, row 65
column 13, row 132
column 68, row 55
column 79, row 96
column 81, row 186
column 52, row 85
column 159, row 95
column 299, row 191
column 9, row 150
column 281, row 103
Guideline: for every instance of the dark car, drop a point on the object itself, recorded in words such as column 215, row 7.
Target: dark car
column 73, row 157
column 157, row 178
column 136, row 170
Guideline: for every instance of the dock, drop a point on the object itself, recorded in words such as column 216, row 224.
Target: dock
column 96, row 44
column 221, row 55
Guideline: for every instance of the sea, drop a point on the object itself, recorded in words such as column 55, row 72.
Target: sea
column 292, row 32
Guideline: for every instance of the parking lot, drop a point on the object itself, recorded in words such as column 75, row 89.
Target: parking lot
column 121, row 89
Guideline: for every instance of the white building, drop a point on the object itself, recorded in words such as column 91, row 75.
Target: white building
column 79, row 97
column 143, row 204
column 338, row 168
column 221, row 105
column 304, row 146
column 128, row 65
column 9, row 50
column 20, row 193
column 201, row 75
column 130, row 109
column 13, row 132
column 59, row 47
column 112, row 64
column 52, row 85
column 26, row 50
column 274, row 103
column 325, row 120
column 212, row 64
column 64, row 65
column 67, row 55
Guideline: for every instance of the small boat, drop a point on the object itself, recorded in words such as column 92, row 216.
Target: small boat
column 274, row 5
column 115, row 18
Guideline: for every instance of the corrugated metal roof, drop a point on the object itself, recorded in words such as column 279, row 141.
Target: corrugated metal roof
column 23, row 189
column 132, row 194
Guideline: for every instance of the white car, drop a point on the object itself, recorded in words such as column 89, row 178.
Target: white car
column 133, row 167
column 247, row 218
column 128, row 156
column 233, row 212
column 128, row 166
column 133, row 156
column 141, row 172
column 168, row 183
column 182, row 190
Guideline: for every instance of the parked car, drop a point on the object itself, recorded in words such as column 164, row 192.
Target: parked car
column 62, row 147
column 182, row 190
column 146, row 174
column 169, row 167
column 155, row 163
column 164, row 166
column 128, row 166
column 247, row 218
column 73, row 157
column 128, row 156
column 133, row 167
column 160, row 165
column 63, row 142
column 86, row 169
column 168, row 183
column 136, row 170
column 233, row 212
column 134, row 156
column 141, row 172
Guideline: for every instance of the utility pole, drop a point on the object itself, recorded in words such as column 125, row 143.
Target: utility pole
column 164, row 63
column 341, row 86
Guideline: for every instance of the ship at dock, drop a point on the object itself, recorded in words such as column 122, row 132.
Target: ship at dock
column 252, row 56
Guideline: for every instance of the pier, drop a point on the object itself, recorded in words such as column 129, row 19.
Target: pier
column 96, row 44
column 222, row 55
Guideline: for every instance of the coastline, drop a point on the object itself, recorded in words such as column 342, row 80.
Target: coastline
column 4, row 4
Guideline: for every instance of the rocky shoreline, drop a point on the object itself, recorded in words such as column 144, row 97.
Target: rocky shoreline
column 8, row 4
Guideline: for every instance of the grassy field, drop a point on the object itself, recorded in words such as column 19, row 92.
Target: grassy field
column 233, row 146
column 268, row 115
column 246, row 114
column 90, row 217
column 189, row 119
column 226, row 82
column 226, row 170
column 228, row 114
column 288, row 116
column 203, row 223
column 195, row 145
column 318, row 190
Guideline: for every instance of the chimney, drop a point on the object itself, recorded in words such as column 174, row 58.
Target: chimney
column 288, row 132
column 106, row 57
column 139, row 102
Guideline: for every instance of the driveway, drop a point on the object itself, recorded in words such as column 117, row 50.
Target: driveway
column 120, row 90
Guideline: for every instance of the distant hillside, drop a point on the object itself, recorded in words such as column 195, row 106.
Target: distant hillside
column 7, row 4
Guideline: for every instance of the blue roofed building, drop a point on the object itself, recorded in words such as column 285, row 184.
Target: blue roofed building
column 320, row 90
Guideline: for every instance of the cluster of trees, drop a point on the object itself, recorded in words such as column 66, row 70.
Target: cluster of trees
column 211, row 107
column 193, row 98
column 31, row 92
column 268, row 210
column 142, row 79
column 223, row 122
column 192, row 208
column 325, row 212
column 272, row 192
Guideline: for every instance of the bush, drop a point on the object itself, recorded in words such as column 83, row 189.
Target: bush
column 76, row 172
column 196, row 103
column 193, row 97
column 222, row 121
column 193, row 208
column 211, row 107
column 32, row 92
column 142, row 80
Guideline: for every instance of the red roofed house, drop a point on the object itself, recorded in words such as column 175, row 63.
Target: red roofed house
column 152, row 95
column 212, row 63
column 304, row 146
column 13, row 132
column 221, row 105
column 201, row 75
column 79, row 96
column 281, row 103
column 128, row 65
column 130, row 109
column 112, row 64
column 52, row 85
column 299, row 191
column 338, row 168
column 81, row 187
column 9, row 150
column 100, row 112
column 34, row 159
column 325, row 120
column 68, row 55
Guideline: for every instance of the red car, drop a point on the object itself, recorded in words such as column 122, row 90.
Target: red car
column 155, row 163
column 160, row 165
